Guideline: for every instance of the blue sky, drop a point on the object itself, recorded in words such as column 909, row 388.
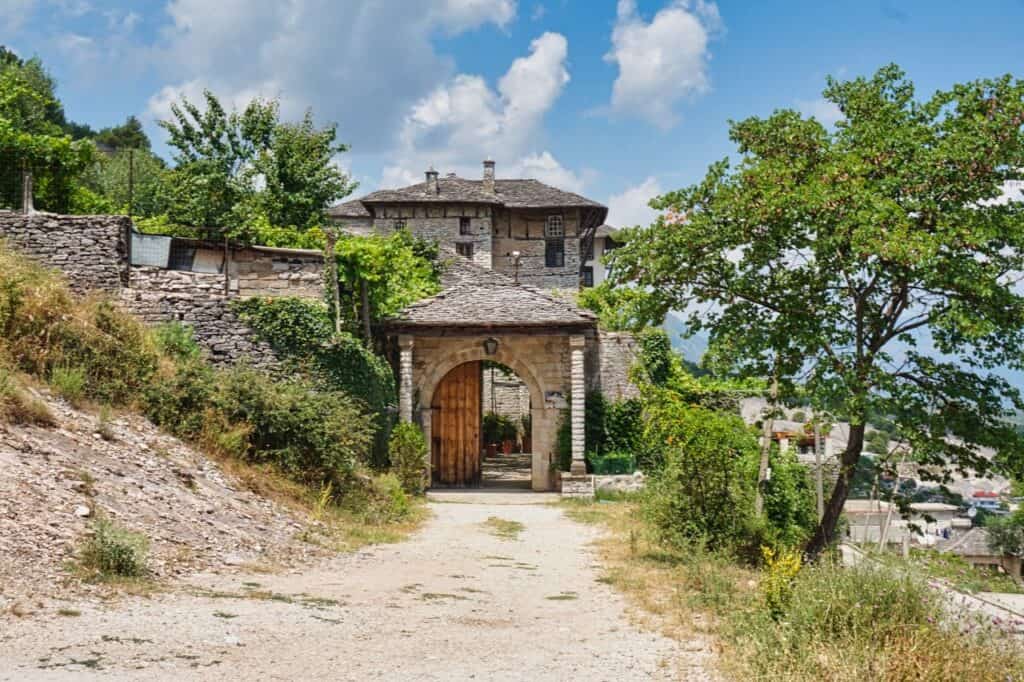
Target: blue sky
column 616, row 100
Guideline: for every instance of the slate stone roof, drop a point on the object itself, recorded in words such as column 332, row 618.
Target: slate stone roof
column 476, row 297
column 349, row 209
column 972, row 543
column 452, row 189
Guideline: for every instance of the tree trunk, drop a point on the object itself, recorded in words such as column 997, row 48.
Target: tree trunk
column 824, row 534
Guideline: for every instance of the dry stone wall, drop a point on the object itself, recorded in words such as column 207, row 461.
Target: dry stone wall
column 198, row 301
column 255, row 272
column 90, row 250
column 609, row 362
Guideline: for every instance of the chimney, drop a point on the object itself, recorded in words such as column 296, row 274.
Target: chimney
column 432, row 186
column 489, row 176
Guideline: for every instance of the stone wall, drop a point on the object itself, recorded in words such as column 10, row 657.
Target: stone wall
column 196, row 300
column 609, row 362
column 523, row 231
column 505, row 394
column 441, row 223
column 261, row 272
column 90, row 250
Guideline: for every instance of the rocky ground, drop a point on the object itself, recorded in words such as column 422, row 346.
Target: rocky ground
column 485, row 591
column 53, row 481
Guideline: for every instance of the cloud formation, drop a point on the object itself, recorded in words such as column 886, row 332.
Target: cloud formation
column 662, row 61
column 464, row 120
column 825, row 111
column 629, row 208
column 354, row 62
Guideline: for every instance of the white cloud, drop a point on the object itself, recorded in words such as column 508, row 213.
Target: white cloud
column 663, row 61
column 13, row 13
column 825, row 111
column 464, row 121
column 630, row 207
column 361, row 63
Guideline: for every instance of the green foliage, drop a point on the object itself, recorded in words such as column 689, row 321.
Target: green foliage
column 139, row 170
column 1006, row 533
column 612, row 463
column 704, row 489
column 620, row 308
column 178, row 396
column 128, row 135
column 497, row 428
column 114, row 551
column 777, row 582
column 176, row 340
column 789, row 502
column 18, row 406
column 384, row 500
column 314, row 436
column 409, row 457
column 822, row 249
column 656, row 356
column 234, row 167
column 69, row 383
column 301, row 331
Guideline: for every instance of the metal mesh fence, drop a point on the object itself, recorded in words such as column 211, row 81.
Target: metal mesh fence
column 12, row 175
column 50, row 185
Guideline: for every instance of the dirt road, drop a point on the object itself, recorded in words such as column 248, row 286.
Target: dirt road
column 465, row 598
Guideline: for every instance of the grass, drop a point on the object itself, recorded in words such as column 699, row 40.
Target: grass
column 833, row 623
column 19, row 406
column 111, row 551
column 504, row 528
column 71, row 613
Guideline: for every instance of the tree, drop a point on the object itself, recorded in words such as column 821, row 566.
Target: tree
column 233, row 168
column 135, row 176
column 128, row 135
column 832, row 254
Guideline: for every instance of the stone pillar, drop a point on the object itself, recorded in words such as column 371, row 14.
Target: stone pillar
column 405, row 378
column 577, row 407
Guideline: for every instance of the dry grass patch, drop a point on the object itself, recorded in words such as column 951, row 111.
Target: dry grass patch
column 504, row 528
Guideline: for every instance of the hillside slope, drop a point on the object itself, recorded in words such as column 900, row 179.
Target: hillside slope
column 54, row 480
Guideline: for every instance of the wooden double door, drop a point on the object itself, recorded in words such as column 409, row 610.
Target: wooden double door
column 455, row 427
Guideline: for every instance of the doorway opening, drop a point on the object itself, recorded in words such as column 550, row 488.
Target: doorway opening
column 481, row 431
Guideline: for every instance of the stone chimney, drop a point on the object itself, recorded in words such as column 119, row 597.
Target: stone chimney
column 432, row 186
column 489, row 176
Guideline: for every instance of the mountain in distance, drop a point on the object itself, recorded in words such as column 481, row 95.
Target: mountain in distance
column 693, row 348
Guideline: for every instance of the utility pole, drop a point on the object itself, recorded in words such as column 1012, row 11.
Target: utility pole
column 819, row 486
column 26, row 190
column 766, row 440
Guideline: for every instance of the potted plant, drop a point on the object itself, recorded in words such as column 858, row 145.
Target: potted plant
column 491, row 429
column 509, row 434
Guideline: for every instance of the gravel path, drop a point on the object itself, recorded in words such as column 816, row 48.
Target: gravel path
column 455, row 602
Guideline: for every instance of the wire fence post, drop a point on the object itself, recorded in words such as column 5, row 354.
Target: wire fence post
column 26, row 190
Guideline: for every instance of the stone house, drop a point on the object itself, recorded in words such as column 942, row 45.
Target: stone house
column 517, row 252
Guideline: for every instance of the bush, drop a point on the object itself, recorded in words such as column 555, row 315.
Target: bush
column 69, row 383
column 114, row 551
column 178, row 395
column 301, row 330
column 612, row 463
column 314, row 436
column 409, row 457
column 177, row 341
column 384, row 500
column 705, row 488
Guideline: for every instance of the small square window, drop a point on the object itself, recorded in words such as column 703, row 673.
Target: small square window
column 398, row 224
column 465, row 226
column 465, row 250
column 554, row 227
column 554, row 253
column 588, row 277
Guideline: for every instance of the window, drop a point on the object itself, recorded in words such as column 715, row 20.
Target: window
column 465, row 250
column 589, row 255
column 465, row 226
column 588, row 277
column 554, row 253
column 554, row 227
column 398, row 224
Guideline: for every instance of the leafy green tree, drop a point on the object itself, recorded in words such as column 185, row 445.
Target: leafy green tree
column 830, row 254
column 31, row 137
column 128, row 135
column 135, row 176
column 618, row 308
column 235, row 168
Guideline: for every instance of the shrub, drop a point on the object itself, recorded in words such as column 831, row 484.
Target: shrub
column 69, row 382
column 612, row 463
column 178, row 395
column 408, row 453
column 705, row 488
column 384, row 500
column 114, row 551
column 314, row 436
column 780, row 571
column 789, row 502
column 176, row 340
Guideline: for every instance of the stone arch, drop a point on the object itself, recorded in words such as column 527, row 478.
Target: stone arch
column 523, row 369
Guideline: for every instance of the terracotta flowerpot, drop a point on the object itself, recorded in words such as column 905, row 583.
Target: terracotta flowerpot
column 506, row 447
column 492, row 449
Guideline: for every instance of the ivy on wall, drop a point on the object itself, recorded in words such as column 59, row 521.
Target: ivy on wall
column 300, row 330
